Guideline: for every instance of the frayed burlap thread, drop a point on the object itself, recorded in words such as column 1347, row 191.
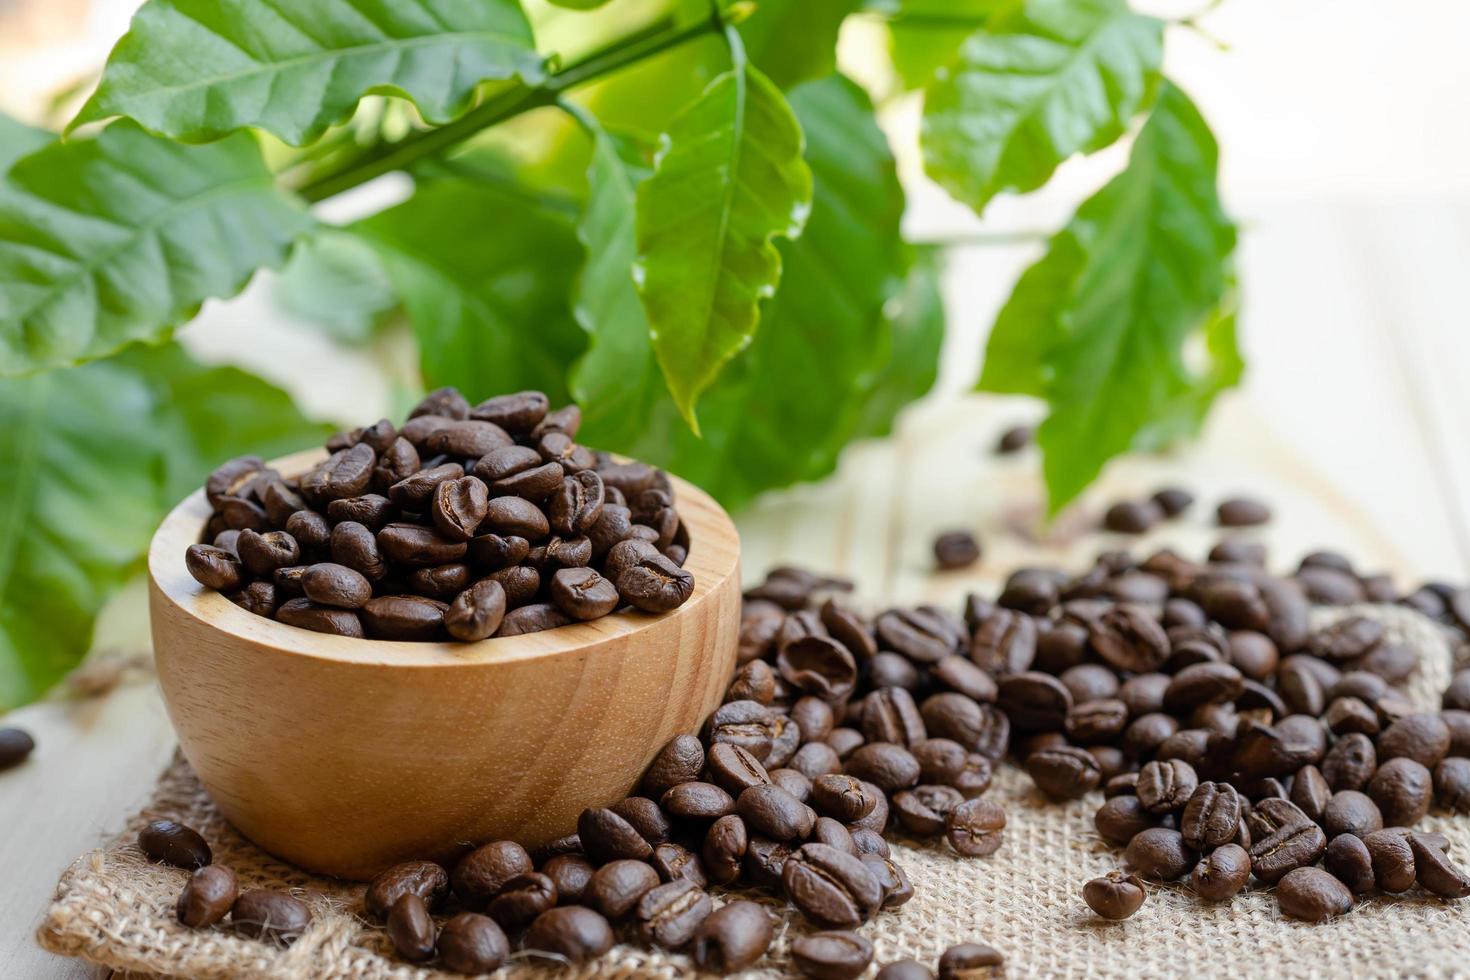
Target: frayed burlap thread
column 114, row 908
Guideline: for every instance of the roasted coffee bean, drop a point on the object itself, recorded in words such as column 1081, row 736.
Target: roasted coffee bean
column 1425, row 738
column 970, row 961
column 1122, row 817
column 477, row 612
column 1211, row 817
column 532, row 619
column 1005, row 643
column 894, row 883
column 1434, row 871
column 1242, row 512
column 458, row 507
column 1349, row 812
column 617, row 886
column 975, row 828
column 466, row 438
column 1347, row 639
column 231, row 478
column 832, row 889
column 425, row 879
column 770, row 810
column 1292, row 846
column 842, row 797
column 411, row 928
column 330, row 584
column 172, row 843
column 521, row 899
column 214, row 568
column 1350, row 763
column 734, row 769
column 396, row 462
column 1159, row 854
column 417, row 546
column 962, row 676
column 680, row 761
column 583, row 594
column 654, row 584
column 956, row 549
column 889, row 767
column 1115, row 895
column 517, row 414
column 1222, row 873
column 472, row 943
column 1350, row 715
column 1129, row 638
column 480, row 874
column 1311, row 793
column 1173, row 500
column 345, row 473
column 443, row 403
column 576, row 505
column 724, row 849
column 815, row 759
column 764, row 861
column 904, row 970
column 670, row 914
column 1132, row 516
column 1393, row 860
column 1034, row 702
column 1348, row 859
column 403, row 617
column 571, row 874
column 890, row 715
column 921, row 636
column 572, row 933
column 831, row 955
column 755, row 681
column 696, row 801
column 1064, row 772
column 833, row 834
column 1166, row 786
column 1204, row 683
column 1403, row 790
column 371, row 510
column 1312, row 895
column 519, row 582
column 16, row 745
column 207, row 897
column 238, row 514
column 1451, row 783
column 1102, row 720
column 262, row 554
column 443, row 582
column 922, row 810
column 732, row 937
column 608, row 836
column 270, row 915
column 748, row 724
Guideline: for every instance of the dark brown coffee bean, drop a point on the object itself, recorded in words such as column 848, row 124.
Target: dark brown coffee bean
column 417, row 546
column 970, row 961
column 262, row 554
column 608, row 836
column 1425, row 738
column 1166, row 786
column 1350, row 715
column 172, row 843
column 1204, row 683
column 458, row 507
column 214, row 568
column 270, row 915
column 1291, row 847
column 1222, row 873
column 843, row 797
column 815, row 759
column 396, row 462
column 919, row 635
column 679, row 761
column 956, row 549
column 1005, row 643
column 617, row 886
column 207, row 897
column 231, row 478
column 441, row 404
column 468, row 437
column 571, row 874
column 923, row 810
column 1347, row 639
column 583, row 594
column 1451, row 783
column 1393, row 860
column 1348, row 860
column 411, row 928
column 904, row 970
column 831, row 955
column 371, row 510
column 734, row 769
column 1159, row 854
column 403, row 617
column 1129, row 638
column 534, row 618
column 1102, row 720
column 329, row 584
column 345, row 473
column 1115, row 895
column 577, row 504
column 240, row 515
column 772, row 811
column 732, row 937
column 1350, row 812
column 890, row 715
column 670, row 914
column 477, row 612
column 1064, row 772
column 748, row 724
column 444, row 582
column 819, row 666
column 960, row 675
column 654, row 584
column 472, row 943
column 1403, row 790
column 724, row 849
column 521, row 899
column 311, row 531
column 1350, row 763
column 517, row 414
column 1311, row 793
column 1034, row 702
column 889, row 767
column 1434, row 871
column 480, row 874
column 572, row 933
column 425, row 879
column 976, row 827
column 830, row 888
column 755, row 681
column 1121, row 818
column 894, row 883
column 1312, row 895
column 696, row 801
column 1242, row 512
column 1211, row 817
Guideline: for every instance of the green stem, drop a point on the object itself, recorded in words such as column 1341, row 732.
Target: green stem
column 498, row 109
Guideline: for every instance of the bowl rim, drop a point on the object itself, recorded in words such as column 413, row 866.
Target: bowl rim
column 714, row 556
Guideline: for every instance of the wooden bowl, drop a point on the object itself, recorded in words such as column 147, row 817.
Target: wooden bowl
column 345, row 756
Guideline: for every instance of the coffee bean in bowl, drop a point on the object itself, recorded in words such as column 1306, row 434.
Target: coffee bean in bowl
column 446, row 527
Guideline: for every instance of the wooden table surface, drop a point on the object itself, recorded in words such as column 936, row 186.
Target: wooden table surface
column 1352, row 423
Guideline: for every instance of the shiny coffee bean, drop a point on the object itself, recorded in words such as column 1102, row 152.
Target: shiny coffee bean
column 207, row 897
column 472, row 943
column 1312, row 895
column 411, row 928
column 732, row 937
column 270, row 915
column 172, row 843
column 1222, row 873
column 1115, row 895
column 426, row 879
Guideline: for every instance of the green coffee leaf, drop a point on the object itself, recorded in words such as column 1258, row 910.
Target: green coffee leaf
column 925, row 35
column 827, row 365
column 1101, row 325
column 728, row 179
column 913, row 336
column 793, row 41
column 17, row 139
column 577, row 4
column 198, row 69
column 1044, row 80
column 104, row 242
column 484, row 276
column 336, row 281
column 94, row 457
column 616, row 381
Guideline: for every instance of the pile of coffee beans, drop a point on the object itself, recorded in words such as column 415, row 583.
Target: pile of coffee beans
column 465, row 522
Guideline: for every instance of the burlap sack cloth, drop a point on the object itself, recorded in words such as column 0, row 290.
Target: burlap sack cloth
column 115, row 908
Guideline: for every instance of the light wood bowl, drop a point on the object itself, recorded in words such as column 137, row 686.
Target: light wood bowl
column 345, row 756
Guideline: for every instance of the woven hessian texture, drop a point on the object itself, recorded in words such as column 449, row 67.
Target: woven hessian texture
column 115, row 908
